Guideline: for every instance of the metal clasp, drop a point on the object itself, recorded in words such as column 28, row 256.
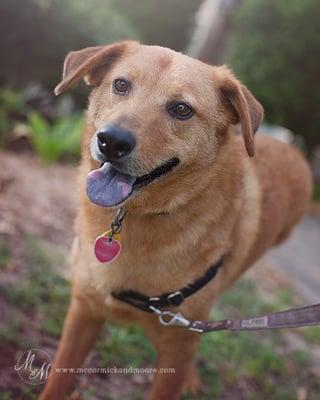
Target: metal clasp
column 116, row 224
column 169, row 318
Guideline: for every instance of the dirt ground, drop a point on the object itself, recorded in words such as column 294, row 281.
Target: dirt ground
column 35, row 200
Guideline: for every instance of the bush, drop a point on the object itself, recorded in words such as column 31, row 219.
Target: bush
column 57, row 141
column 275, row 50
column 165, row 23
column 12, row 108
column 37, row 34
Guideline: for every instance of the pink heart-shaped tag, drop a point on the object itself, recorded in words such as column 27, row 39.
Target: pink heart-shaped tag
column 106, row 250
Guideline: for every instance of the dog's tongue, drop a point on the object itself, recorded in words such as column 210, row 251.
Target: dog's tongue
column 108, row 187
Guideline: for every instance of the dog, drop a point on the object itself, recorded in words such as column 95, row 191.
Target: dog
column 159, row 135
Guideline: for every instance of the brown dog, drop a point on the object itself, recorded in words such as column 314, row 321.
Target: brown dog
column 151, row 107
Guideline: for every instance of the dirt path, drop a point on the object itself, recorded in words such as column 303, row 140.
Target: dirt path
column 299, row 258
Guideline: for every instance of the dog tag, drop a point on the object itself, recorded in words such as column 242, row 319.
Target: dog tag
column 107, row 247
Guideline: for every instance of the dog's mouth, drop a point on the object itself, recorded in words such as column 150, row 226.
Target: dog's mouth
column 109, row 187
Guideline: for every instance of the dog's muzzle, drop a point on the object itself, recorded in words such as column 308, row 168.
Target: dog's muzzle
column 109, row 187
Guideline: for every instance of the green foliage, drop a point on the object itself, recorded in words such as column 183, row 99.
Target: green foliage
column 275, row 50
column 12, row 101
column 53, row 142
column 166, row 23
column 37, row 34
column 4, row 127
column 312, row 334
column 43, row 289
column 107, row 23
column 11, row 331
column 5, row 395
column 4, row 254
column 12, row 107
column 121, row 344
column 316, row 192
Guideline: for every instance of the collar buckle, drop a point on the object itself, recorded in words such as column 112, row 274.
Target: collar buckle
column 176, row 298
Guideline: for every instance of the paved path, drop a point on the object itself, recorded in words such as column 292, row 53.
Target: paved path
column 299, row 258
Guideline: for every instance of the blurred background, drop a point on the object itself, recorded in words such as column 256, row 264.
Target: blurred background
column 273, row 47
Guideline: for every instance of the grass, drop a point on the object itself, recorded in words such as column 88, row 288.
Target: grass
column 12, row 108
column 42, row 290
column 6, row 395
column 11, row 330
column 312, row 335
column 4, row 254
column 251, row 366
column 316, row 192
column 125, row 347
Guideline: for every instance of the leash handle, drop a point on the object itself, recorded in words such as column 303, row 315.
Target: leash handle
column 292, row 318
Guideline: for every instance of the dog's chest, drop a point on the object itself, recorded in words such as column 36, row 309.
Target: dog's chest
column 153, row 260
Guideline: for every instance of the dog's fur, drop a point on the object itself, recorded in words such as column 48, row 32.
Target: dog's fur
column 217, row 201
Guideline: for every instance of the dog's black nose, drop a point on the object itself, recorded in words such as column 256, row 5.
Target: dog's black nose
column 115, row 142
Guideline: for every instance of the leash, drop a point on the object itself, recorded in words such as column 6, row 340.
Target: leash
column 291, row 318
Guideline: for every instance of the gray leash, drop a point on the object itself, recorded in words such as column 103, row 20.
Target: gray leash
column 292, row 318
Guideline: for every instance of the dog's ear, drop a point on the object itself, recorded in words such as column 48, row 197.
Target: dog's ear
column 245, row 108
column 88, row 64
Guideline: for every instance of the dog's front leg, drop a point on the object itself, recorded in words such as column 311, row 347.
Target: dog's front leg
column 175, row 364
column 81, row 328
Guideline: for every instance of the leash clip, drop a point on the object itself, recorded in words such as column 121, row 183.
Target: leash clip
column 168, row 318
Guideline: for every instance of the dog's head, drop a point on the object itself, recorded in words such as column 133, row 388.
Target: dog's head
column 156, row 115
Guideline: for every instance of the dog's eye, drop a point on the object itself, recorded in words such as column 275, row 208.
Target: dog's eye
column 121, row 86
column 181, row 110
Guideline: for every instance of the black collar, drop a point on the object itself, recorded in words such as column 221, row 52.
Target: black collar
column 145, row 303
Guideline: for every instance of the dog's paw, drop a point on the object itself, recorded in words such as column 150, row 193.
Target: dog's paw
column 76, row 395
column 193, row 383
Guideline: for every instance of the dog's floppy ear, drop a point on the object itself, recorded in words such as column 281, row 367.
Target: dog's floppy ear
column 87, row 63
column 246, row 109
